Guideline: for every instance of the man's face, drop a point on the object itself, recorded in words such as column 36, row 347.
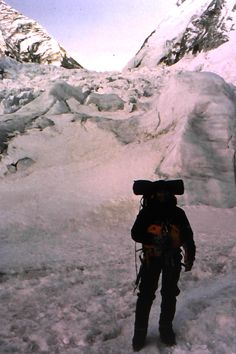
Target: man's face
column 161, row 196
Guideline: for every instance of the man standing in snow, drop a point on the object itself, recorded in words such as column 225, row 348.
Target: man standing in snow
column 163, row 229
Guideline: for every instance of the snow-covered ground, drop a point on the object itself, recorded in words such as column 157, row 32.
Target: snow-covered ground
column 67, row 264
column 67, row 282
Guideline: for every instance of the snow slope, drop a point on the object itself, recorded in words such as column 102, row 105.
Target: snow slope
column 67, row 283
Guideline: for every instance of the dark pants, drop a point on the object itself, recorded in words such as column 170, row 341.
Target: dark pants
column 170, row 267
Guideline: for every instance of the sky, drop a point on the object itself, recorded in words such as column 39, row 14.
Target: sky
column 100, row 34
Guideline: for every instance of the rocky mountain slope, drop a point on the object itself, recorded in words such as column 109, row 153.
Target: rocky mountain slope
column 196, row 35
column 26, row 41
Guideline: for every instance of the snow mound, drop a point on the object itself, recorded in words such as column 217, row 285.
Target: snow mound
column 199, row 111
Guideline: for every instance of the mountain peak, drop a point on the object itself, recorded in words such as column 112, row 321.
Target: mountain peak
column 193, row 27
column 25, row 40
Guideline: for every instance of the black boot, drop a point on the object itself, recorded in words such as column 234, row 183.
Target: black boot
column 138, row 340
column 167, row 335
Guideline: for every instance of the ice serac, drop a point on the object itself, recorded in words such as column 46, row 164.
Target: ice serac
column 200, row 109
column 193, row 27
column 103, row 132
column 25, row 40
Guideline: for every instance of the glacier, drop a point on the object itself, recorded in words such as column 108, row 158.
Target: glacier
column 72, row 142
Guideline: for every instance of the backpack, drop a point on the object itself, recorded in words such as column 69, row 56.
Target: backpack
column 167, row 237
column 167, row 234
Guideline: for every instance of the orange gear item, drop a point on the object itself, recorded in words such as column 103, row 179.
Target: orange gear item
column 173, row 232
column 155, row 229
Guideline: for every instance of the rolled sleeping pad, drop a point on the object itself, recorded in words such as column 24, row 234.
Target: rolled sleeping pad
column 145, row 187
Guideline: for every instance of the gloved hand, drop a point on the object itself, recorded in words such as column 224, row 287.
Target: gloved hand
column 188, row 266
column 188, row 261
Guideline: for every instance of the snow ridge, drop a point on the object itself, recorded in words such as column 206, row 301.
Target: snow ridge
column 203, row 33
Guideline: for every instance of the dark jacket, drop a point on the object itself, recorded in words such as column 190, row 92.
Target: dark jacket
column 156, row 212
